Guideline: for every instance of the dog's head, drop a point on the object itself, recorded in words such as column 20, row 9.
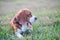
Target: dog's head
column 26, row 16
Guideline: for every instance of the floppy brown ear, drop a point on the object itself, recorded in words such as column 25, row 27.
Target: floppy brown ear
column 21, row 17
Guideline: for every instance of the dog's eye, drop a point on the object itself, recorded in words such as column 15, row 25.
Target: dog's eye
column 30, row 15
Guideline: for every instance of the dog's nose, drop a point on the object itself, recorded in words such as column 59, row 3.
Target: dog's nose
column 35, row 18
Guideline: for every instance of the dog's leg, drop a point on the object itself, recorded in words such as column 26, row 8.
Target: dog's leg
column 19, row 34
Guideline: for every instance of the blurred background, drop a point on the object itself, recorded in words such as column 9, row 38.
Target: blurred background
column 47, row 27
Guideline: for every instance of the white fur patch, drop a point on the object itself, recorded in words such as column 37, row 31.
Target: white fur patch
column 18, row 34
column 24, row 27
column 32, row 19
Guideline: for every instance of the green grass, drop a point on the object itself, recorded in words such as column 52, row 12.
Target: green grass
column 47, row 27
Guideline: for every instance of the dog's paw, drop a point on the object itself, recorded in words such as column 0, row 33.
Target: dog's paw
column 19, row 35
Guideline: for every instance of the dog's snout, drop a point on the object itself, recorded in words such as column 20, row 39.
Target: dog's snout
column 35, row 18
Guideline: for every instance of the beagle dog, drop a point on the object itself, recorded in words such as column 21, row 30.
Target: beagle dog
column 22, row 21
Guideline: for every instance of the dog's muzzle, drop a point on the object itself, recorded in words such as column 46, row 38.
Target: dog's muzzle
column 33, row 19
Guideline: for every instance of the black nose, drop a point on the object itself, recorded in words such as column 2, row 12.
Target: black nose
column 35, row 18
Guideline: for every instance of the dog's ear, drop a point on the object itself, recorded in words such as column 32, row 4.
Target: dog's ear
column 21, row 17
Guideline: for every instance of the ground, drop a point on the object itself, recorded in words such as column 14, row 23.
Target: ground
column 47, row 27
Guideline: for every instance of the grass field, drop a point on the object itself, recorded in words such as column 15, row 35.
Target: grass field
column 47, row 27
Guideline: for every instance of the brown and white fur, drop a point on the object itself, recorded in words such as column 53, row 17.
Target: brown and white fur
column 22, row 21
